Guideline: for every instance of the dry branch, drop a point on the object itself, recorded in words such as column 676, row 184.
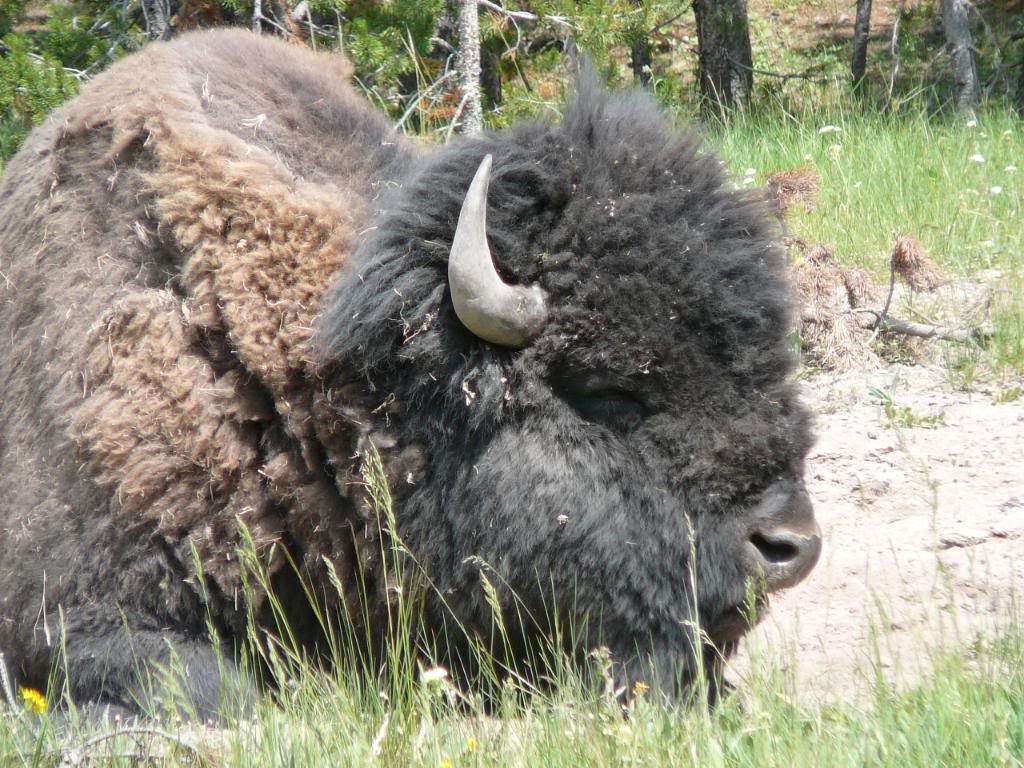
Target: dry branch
column 872, row 318
column 560, row 21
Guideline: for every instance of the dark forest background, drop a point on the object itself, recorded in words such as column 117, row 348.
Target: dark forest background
column 705, row 57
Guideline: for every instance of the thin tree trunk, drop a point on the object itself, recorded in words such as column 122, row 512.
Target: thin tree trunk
column 490, row 75
column 1019, row 96
column 640, row 50
column 724, row 59
column 861, row 32
column 640, row 59
column 1020, row 89
column 961, row 49
column 157, row 15
column 469, row 68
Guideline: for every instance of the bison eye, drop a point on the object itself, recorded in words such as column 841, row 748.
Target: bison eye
column 612, row 407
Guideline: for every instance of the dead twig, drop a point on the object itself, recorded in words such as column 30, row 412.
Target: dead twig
column 894, row 48
column 418, row 97
column 560, row 21
column 888, row 299
column 810, row 74
column 873, row 318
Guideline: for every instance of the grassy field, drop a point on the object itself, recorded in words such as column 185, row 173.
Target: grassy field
column 969, row 713
column 956, row 185
column 966, row 710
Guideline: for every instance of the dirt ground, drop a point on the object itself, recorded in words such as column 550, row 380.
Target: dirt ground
column 923, row 529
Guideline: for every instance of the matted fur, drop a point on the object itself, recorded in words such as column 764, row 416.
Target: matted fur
column 227, row 280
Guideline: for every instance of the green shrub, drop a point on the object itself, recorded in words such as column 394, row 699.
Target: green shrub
column 31, row 84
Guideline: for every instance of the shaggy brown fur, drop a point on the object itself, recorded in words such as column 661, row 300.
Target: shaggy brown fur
column 197, row 402
column 160, row 425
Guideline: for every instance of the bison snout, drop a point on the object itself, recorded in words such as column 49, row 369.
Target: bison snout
column 784, row 540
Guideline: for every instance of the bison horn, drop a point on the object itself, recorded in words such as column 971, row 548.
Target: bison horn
column 503, row 314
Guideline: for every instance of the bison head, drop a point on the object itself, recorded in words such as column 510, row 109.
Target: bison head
column 583, row 332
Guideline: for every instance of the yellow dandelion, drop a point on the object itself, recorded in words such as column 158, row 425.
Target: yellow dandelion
column 471, row 744
column 446, row 763
column 640, row 688
column 33, row 699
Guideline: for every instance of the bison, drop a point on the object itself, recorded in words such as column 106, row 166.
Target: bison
column 228, row 284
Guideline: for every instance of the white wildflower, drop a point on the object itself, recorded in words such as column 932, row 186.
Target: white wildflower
column 972, row 123
column 1010, row 169
column 829, row 129
column 995, row 190
column 977, row 158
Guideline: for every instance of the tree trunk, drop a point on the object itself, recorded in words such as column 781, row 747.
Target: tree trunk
column 1020, row 89
column 1019, row 95
column 861, row 32
column 640, row 48
column 724, row 59
column 490, row 74
column 961, row 49
column 469, row 68
column 640, row 59
column 157, row 15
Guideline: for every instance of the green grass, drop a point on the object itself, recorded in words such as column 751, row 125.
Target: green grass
column 969, row 713
column 956, row 187
column 883, row 175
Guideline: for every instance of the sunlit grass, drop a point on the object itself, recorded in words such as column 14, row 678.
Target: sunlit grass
column 954, row 186
column 970, row 712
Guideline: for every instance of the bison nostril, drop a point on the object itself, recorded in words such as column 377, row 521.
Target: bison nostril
column 784, row 557
column 776, row 551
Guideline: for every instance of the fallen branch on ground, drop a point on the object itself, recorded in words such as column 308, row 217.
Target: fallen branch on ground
column 872, row 318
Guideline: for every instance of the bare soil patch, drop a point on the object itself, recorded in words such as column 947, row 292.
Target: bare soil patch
column 923, row 528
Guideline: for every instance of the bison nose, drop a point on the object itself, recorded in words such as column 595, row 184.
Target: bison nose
column 784, row 540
